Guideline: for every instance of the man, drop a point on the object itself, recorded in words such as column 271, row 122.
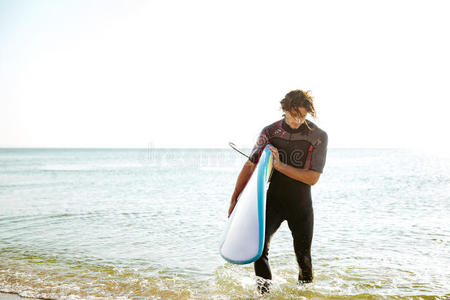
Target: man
column 299, row 150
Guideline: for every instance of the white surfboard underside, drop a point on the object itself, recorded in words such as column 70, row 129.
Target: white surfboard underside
column 244, row 238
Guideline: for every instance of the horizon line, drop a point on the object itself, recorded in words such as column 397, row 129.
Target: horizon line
column 164, row 148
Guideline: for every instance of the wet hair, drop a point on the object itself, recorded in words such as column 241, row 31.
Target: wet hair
column 299, row 98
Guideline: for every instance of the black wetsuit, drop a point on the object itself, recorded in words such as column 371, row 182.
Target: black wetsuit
column 287, row 198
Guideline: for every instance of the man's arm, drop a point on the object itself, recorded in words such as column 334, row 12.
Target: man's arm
column 242, row 180
column 307, row 176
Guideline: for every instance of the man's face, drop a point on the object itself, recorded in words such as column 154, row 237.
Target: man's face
column 297, row 116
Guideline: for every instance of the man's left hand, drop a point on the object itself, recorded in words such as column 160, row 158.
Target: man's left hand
column 276, row 157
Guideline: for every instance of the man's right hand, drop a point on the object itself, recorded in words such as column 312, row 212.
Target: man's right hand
column 232, row 205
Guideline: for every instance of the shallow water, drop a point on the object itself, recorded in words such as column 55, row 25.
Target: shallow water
column 148, row 223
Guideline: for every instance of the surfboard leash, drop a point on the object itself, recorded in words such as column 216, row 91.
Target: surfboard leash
column 232, row 145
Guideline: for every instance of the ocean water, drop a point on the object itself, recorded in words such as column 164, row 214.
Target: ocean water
column 147, row 224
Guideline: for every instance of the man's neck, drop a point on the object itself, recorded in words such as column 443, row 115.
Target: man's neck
column 291, row 125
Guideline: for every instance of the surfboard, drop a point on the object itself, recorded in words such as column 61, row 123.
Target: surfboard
column 243, row 241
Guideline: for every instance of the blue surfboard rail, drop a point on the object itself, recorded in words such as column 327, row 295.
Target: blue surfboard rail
column 264, row 171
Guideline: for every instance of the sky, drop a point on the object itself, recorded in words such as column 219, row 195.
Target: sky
column 202, row 73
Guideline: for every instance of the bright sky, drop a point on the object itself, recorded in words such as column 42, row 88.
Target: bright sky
column 202, row 73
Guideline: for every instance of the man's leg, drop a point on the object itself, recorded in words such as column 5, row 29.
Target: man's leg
column 273, row 222
column 302, row 232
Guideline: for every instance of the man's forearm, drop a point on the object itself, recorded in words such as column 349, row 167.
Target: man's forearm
column 306, row 176
column 243, row 178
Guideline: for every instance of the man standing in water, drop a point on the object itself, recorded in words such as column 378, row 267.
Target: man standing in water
column 299, row 149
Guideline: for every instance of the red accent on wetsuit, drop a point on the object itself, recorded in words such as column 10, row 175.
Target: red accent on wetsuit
column 310, row 155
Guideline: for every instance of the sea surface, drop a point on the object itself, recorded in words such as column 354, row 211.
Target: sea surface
column 147, row 224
